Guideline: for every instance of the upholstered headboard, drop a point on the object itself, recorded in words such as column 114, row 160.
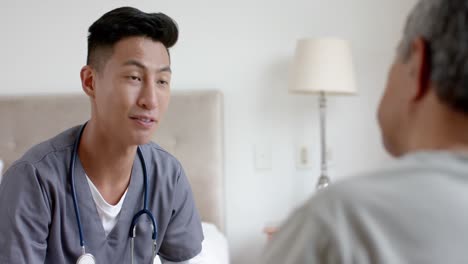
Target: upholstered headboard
column 192, row 130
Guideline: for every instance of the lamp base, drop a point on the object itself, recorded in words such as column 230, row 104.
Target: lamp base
column 323, row 182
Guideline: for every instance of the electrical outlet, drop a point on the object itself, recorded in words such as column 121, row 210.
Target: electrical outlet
column 303, row 157
column 329, row 154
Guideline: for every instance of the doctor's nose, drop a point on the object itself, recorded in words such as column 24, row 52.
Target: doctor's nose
column 148, row 98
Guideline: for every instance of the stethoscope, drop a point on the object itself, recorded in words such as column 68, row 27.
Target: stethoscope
column 87, row 258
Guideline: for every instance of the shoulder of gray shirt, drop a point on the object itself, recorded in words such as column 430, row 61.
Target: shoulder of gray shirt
column 396, row 177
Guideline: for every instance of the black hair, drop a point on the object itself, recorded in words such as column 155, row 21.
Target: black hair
column 126, row 22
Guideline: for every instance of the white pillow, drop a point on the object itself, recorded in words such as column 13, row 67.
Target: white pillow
column 215, row 248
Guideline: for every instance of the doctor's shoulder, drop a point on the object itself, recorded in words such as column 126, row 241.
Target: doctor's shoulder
column 47, row 160
column 162, row 161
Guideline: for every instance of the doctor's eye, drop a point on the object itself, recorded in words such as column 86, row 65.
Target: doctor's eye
column 163, row 82
column 134, row 78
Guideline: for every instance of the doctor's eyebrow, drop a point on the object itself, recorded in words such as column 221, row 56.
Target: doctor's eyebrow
column 142, row 66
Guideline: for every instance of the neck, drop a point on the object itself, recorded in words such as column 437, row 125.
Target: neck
column 106, row 163
column 440, row 129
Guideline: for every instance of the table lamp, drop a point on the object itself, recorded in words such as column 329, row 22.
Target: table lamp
column 323, row 66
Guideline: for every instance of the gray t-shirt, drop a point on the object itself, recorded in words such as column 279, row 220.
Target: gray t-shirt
column 38, row 222
column 414, row 211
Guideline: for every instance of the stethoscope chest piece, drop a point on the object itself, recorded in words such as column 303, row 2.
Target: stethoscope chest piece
column 86, row 259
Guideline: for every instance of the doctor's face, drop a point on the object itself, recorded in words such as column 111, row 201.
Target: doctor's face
column 132, row 90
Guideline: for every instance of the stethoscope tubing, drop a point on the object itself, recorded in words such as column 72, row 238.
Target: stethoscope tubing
column 144, row 211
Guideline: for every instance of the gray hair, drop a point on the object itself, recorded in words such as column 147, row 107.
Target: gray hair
column 443, row 24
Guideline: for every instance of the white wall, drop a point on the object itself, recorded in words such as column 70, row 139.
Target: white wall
column 243, row 48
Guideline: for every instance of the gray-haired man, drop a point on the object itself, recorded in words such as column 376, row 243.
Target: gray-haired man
column 416, row 210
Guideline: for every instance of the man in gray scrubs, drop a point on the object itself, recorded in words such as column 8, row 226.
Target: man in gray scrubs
column 416, row 209
column 127, row 79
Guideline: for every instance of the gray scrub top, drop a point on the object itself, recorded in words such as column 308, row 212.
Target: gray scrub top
column 38, row 222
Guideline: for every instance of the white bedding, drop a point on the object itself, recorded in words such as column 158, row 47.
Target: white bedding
column 215, row 247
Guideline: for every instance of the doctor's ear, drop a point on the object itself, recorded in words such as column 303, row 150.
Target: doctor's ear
column 87, row 76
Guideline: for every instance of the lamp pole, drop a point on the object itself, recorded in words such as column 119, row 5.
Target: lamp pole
column 324, row 180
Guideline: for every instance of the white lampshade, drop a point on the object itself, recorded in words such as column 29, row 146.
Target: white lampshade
column 322, row 65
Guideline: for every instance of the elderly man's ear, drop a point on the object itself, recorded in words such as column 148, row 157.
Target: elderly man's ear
column 418, row 68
